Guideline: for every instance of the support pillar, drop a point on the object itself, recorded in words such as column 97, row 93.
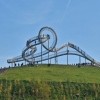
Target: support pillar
column 50, row 61
column 41, row 53
column 67, row 54
column 48, row 52
column 32, row 58
column 56, row 61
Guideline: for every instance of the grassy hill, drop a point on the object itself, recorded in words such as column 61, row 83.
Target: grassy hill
column 58, row 73
column 55, row 82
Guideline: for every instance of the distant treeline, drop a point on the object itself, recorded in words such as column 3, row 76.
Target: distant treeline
column 40, row 90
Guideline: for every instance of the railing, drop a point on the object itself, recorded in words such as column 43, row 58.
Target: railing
column 83, row 53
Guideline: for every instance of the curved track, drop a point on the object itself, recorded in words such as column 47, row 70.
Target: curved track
column 47, row 39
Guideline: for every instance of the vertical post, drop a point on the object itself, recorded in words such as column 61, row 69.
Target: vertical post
column 50, row 61
column 48, row 52
column 41, row 53
column 67, row 54
column 56, row 60
column 32, row 58
column 55, row 57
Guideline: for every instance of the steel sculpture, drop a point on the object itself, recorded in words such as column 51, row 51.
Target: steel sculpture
column 47, row 39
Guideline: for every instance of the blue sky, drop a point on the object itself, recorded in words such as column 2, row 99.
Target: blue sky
column 75, row 21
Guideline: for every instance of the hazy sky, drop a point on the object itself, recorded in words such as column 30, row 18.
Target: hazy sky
column 76, row 21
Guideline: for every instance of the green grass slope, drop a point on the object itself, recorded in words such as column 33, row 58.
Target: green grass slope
column 58, row 73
